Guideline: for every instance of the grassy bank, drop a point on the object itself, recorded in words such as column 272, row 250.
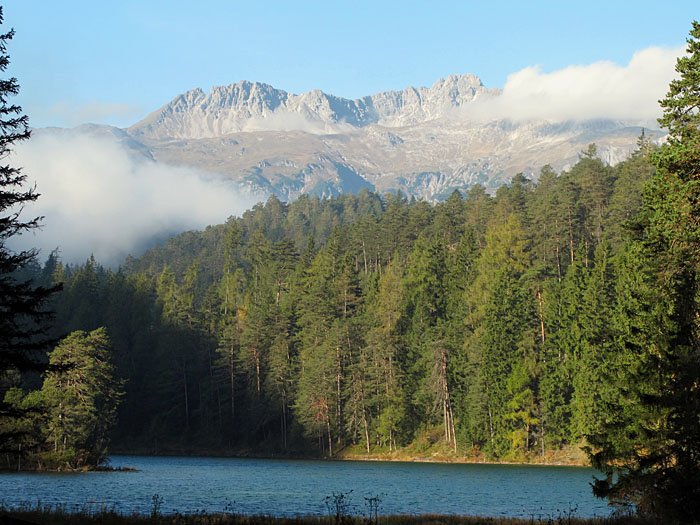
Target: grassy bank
column 440, row 452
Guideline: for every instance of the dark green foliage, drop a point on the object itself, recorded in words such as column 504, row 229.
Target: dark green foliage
column 649, row 447
column 67, row 423
column 23, row 306
column 469, row 321
column 81, row 395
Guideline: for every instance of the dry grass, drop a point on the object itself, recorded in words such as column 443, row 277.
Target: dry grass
column 429, row 446
column 45, row 515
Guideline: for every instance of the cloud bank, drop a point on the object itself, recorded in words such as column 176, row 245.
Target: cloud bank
column 598, row 90
column 99, row 198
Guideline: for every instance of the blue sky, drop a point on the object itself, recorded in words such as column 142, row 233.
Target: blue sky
column 115, row 62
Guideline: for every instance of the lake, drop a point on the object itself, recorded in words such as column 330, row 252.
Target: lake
column 300, row 487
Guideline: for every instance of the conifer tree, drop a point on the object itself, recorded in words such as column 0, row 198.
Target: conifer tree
column 384, row 346
column 82, row 395
column 650, row 446
column 22, row 305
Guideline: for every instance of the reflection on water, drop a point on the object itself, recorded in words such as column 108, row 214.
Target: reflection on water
column 299, row 487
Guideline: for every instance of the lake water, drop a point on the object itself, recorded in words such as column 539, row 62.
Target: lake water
column 300, row 487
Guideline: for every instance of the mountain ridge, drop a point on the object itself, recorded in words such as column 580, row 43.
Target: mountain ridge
column 256, row 106
column 424, row 141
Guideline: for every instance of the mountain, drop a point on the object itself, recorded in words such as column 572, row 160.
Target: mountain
column 423, row 141
column 252, row 106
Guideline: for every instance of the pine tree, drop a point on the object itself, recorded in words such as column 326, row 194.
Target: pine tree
column 82, row 395
column 650, row 446
column 384, row 347
column 318, row 402
column 626, row 198
column 22, row 305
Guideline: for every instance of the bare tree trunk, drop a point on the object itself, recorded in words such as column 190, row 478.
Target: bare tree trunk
column 539, row 300
column 544, row 428
column 364, row 413
column 448, row 419
column 364, row 255
column 527, row 437
column 488, row 406
column 338, row 377
column 256, row 355
column 452, row 426
column 364, row 421
column 571, row 236
column 558, row 264
column 330, row 438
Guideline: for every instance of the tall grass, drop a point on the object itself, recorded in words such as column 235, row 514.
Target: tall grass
column 93, row 514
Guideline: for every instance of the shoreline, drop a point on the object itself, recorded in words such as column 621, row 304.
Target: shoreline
column 560, row 458
column 566, row 457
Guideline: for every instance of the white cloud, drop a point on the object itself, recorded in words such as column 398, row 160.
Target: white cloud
column 599, row 90
column 98, row 199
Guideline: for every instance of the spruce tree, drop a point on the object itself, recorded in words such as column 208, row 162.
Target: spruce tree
column 22, row 340
column 650, row 445
column 81, row 395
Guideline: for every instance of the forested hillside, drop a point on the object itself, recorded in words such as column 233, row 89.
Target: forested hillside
column 482, row 323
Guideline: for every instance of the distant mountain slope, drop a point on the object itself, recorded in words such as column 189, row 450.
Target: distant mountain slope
column 424, row 141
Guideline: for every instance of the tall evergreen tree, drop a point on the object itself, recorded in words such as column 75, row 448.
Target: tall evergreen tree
column 81, row 394
column 384, row 347
column 650, row 447
column 22, row 304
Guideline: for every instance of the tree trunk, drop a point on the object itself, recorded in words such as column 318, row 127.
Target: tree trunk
column 338, row 378
column 539, row 300
column 256, row 355
column 558, row 241
column 571, row 237
column 364, row 256
column 364, row 415
column 330, row 438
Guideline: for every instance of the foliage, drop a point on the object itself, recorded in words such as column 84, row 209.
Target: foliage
column 81, row 396
column 22, row 303
column 67, row 424
column 469, row 324
column 650, row 447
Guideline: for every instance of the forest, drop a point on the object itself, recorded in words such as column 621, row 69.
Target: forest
column 486, row 323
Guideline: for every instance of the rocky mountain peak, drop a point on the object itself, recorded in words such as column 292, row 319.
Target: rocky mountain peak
column 255, row 106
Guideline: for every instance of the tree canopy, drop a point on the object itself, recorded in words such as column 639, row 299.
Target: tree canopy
column 650, row 445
